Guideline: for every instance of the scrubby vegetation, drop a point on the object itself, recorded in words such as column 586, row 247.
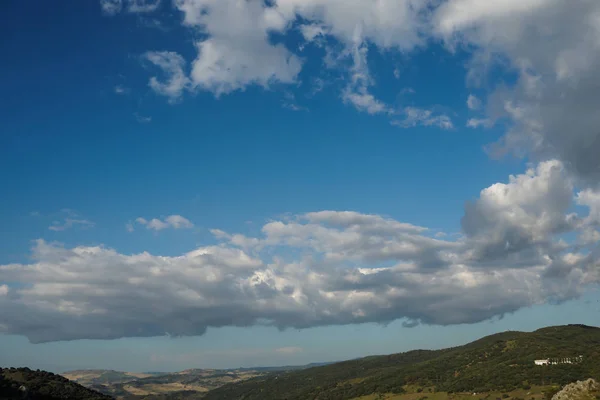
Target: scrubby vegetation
column 19, row 383
column 503, row 362
column 497, row 367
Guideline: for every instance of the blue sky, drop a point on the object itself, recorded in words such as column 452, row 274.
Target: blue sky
column 176, row 168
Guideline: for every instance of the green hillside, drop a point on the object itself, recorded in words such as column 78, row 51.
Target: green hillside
column 501, row 362
column 42, row 385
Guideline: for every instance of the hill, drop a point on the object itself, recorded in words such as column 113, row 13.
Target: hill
column 19, row 383
column 190, row 383
column 500, row 362
column 93, row 377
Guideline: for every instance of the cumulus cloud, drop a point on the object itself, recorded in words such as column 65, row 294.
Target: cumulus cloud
column 333, row 267
column 591, row 199
column 236, row 50
column 520, row 218
column 318, row 268
column 156, row 224
column 553, row 47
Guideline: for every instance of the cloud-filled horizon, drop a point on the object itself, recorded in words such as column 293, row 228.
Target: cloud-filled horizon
column 531, row 74
column 321, row 268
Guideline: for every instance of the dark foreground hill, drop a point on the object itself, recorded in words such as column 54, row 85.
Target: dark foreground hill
column 501, row 362
column 23, row 383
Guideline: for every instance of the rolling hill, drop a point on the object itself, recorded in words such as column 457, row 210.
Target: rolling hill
column 189, row 383
column 500, row 362
column 19, row 383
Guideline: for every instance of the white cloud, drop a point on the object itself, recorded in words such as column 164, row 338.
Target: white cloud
column 455, row 15
column 357, row 90
column 553, row 46
column 415, row 116
column 142, row 6
column 591, row 199
column 69, row 223
column 387, row 24
column 237, row 51
column 172, row 221
column 142, row 119
column 120, row 89
column 473, row 102
column 365, row 102
column 178, row 222
column 520, row 218
column 477, row 122
column 172, row 65
column 315, row 269
column 68, row 219
column 111, row 7
column 313, row 31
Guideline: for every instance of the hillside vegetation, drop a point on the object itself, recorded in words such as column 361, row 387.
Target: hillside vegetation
column 19, row 383
column 187, row 384
column 157, row 386
column 503, row 362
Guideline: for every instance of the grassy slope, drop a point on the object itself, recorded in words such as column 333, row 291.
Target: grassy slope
column 501, row 362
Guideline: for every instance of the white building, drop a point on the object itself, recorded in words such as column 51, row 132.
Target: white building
column 555, row 361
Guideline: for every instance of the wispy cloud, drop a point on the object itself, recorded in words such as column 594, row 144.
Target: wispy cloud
column 113, row 7
column 479, row 122
column 357, row 91
column 70, row 219
column 415, row 116
column 473, row 102
column 122, row 90
column 172, row 66
column 142, row 119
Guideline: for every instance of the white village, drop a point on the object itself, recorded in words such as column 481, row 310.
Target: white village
column 555, row 361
